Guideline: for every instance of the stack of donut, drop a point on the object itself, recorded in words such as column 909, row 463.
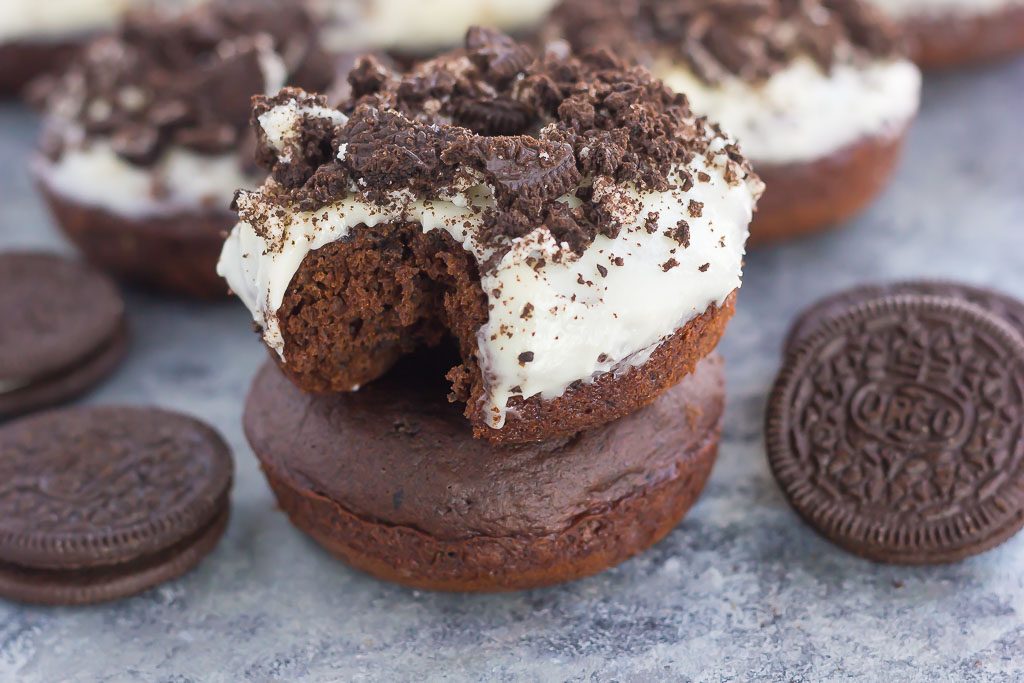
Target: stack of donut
column 491, row 288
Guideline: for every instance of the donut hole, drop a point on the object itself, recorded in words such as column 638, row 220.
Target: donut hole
column 358, row 305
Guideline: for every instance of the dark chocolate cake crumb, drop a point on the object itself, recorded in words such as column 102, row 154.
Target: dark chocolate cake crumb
column 499, row 57
column 669, row 265
column 749, row 39
column 527, row 312
column 526, row 357
column 532, row 128
column 704, row 268
column 601, row 269
column 695, row 208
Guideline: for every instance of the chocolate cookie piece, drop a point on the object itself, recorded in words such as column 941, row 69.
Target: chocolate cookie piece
column 390, row 480
column 102, row 503
column 1006, row 307
column 897, row 430
column 63, row 331
column 719, row 40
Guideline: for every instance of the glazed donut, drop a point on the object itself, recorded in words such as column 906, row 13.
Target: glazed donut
column 140, row 155
column 817, row 93
column 569, row 222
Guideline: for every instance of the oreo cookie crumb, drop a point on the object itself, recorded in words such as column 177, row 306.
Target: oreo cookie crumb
column 606, row 121
column 719, row 39
column 681, row 233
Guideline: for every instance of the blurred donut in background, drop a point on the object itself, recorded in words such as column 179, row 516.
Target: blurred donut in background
column 819, row 94
column 146, row 138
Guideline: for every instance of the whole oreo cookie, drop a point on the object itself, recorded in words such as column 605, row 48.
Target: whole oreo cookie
column 811, row 320
column 101, row 503
column 63, row 330
column 897, row 430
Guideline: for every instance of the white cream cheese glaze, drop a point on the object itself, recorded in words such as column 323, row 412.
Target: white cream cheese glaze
column 802, row 113
column 589, row 316
column 418, row 26
column 180, row 180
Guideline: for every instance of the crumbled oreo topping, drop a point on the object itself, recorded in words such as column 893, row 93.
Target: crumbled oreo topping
column 172, row 78
column 749, row 39
column 534, row 128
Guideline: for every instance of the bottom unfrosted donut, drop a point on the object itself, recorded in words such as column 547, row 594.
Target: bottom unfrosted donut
column 808, row 197
column 950, row 40
column 173, row 252
column 391, row 480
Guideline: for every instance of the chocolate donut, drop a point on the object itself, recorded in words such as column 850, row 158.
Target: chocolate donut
column 817, row 93
column 569, row 222
column 390, row 480
column 146, row 134
column 950, row 33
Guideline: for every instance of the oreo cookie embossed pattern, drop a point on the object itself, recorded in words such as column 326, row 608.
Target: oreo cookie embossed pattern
column 897, row 430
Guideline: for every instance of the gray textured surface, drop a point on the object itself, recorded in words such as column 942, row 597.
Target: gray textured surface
column 741, row 590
